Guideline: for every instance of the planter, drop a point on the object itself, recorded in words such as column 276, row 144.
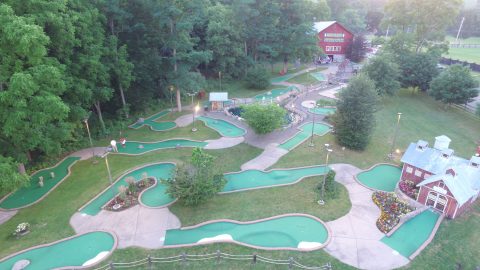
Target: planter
column 119, row 204
column 22, row 233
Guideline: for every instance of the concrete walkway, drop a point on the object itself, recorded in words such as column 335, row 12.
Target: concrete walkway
column 6, row 215
column 223, row 142
column 184, row 120
column 356, row 239
column 137, row 226
column 267, row 158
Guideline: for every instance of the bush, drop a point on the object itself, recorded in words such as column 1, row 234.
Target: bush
column 264, row 118
column 477, row 111
column 196, row 182
column 331, row 191
column 257, row 78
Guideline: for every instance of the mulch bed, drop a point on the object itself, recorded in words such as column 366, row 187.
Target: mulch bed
column 131, row 198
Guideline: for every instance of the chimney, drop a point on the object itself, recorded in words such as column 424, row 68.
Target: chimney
column 442, row 142
column 475, row 162
column 422, row 145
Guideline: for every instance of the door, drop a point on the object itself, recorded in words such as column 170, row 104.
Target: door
column 437, row 201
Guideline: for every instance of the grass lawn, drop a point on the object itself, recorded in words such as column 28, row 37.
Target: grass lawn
column 423, row 118
column 306, row 78
column 471, row 55
column 50, row 217
column 239, row 89
column 470, row 40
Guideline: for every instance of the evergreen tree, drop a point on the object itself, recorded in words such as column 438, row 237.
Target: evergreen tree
column 354, row 120
column 455, row 85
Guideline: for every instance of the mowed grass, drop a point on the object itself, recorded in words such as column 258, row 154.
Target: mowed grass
column 470, row 40
column 422, row 118
column 471, row 55
column 306, row 78
column 50, row 217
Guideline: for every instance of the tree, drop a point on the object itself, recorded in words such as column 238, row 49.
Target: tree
column 10, row 178
column 330, row 188
column 455, row 85
column 418, row 69
column 264, row 118
column 353, row 20
column 357, row 50
column 355, row 119
column 257, row 78
column 384, row 73
column 373, row 20
column 197, row 182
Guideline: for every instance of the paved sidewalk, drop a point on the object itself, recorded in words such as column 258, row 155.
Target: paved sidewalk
column 137, row 226
column 267, row 158
column 184, row 120
column 6, row 215
column 356, row 239
column 223, row 142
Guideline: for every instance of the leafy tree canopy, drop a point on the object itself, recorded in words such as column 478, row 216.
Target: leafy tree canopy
column 455, row 85
column 264, row 118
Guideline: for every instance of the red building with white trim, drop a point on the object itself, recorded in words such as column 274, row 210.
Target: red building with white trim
column 447, row 183
column 334, row 39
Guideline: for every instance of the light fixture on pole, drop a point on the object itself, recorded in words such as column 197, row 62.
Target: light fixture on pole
column 313, row 127
column 390, row 155
column 195, row 111
column 326, row 167
column 105, row 156
column 171, row 88
column 90, row 139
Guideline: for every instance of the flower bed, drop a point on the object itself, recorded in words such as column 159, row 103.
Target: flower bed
column 408, row 187
column 391, row 208
column 128, row 196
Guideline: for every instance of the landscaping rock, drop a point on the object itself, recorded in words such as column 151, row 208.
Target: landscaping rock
column 22, row 264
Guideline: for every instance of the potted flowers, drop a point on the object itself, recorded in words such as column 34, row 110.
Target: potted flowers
column 22, row 229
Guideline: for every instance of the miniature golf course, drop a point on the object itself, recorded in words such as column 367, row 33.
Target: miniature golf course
column 282, row 78
column 256, row 179
column 382, row 177
column 225, row 128
column 413, row 233
column 138, row 148
column 32, row 193
column 305, row 132
column 319, row 76
column 155, row 126
column 83, row 250
column 153, row 197
column 296, row 231
column 274, row 93
column 323, row 111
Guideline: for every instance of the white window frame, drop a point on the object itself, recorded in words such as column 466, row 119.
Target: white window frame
column 418, row 173
column 409, row 170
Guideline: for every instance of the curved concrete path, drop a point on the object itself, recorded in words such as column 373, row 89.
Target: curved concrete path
column 267, row 158
column 137, row 226
column 355, row 237
column 6, row 215
column 224, row 142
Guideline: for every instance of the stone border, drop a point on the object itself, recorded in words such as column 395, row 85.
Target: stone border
column 329, row 233
column 115, row 243
column 429, row 239
column 371, row 168
column 280, row 185
column 130, row 126
column 406, row 218
column 218, row 119
column 172, row 147
column 69, row 171
column 118, row 179
column 300, row 130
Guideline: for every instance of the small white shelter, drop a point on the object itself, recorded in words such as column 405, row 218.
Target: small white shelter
column 217, row 100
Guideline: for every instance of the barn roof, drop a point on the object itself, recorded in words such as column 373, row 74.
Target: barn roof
column 320, row 26
column 218, row 96
column 462, row 184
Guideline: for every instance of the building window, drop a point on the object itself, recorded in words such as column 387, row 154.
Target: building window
column 341, row 35
column 409, row 169
column 441, row 184
column 333, row 40
column 426, row 175
column 418, row 173
column 333, row 48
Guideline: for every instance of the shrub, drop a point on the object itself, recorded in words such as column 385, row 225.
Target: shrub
column 257, row 78
column 264, row 118
column 132, row 188
column 477, row 111
column 331, row 191
column 122, row 192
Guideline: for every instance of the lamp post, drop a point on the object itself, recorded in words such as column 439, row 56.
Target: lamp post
column 220, row 77
column 326, row 166
column 90, row 139
column 313, row 127
column 195, row 110
column 105, row 156
column 390, row 155
column 171, row 88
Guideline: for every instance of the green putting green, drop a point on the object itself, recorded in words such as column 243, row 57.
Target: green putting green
column 84, row 250
column 282, row 78
column 32, row 193
column 155, row 126
column 154, row 197
column 413, row 233
column 283, row 232
column 255, row 178
column 305, row 132
column 382, row 177
column 137, row 148
column 322, row 111
column 274, row 93
column 319, row 76
column 225, row 128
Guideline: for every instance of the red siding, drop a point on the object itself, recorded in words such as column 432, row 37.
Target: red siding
column 411, row 176
column 335, row 28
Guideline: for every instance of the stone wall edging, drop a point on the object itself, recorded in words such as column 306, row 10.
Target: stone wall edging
column 429, row 239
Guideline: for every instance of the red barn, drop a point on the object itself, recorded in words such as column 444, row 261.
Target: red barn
column 447, row 183
column 334, row 39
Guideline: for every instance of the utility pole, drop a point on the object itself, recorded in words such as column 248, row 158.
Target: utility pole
column 459, row 29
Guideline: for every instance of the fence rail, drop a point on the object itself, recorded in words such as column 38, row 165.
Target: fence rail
column 253, row 259
column 449, row 61
column 458, row 45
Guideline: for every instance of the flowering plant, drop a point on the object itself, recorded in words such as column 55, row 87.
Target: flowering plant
column 391, row 208
column 22, row 227
column 408, row 187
